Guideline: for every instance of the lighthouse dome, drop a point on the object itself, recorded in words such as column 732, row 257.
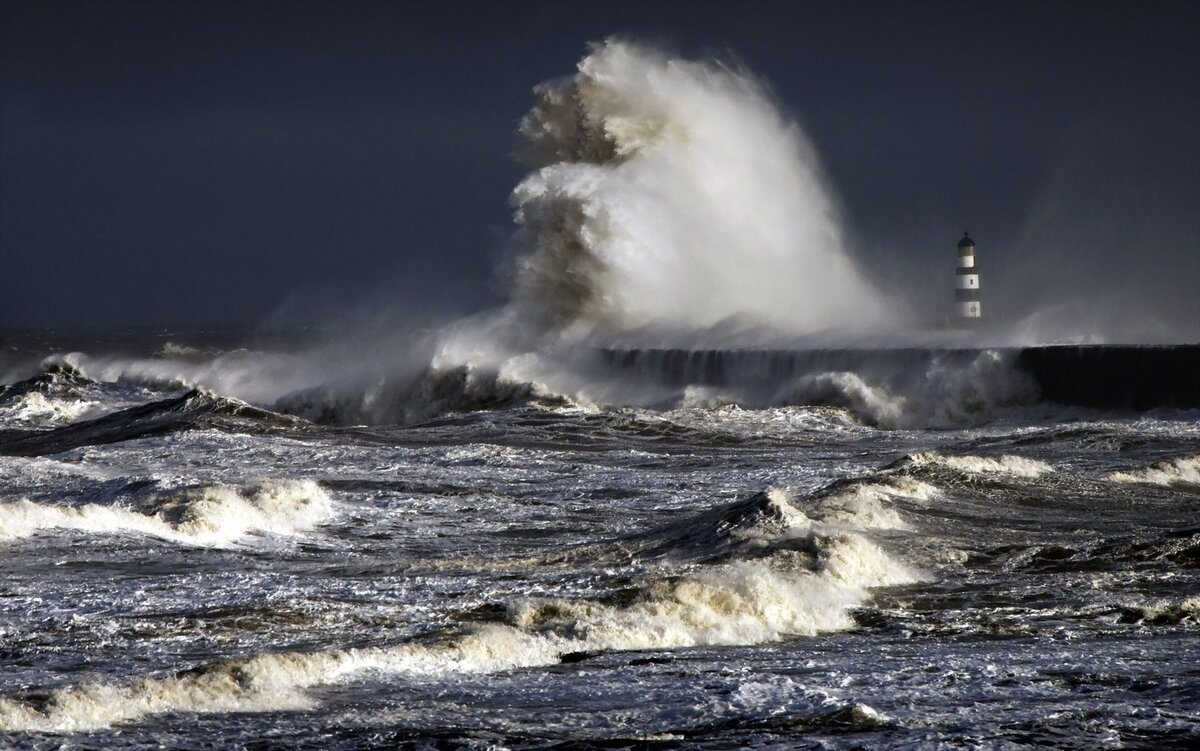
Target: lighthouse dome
column 966, row 242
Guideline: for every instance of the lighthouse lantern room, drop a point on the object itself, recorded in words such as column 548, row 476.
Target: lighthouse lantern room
column 966, row 282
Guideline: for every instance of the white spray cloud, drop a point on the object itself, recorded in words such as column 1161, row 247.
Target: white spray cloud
column 673, row 194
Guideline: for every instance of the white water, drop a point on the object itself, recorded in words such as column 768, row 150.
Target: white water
column 1017, row 466
column 863, row 505
column 741, row 602
column 37, row 410
column 442, row 535
column 215, row 516
column 674, row 195
column 1181, row 471
column 442, row 525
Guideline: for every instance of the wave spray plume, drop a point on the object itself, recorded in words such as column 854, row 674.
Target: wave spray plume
column 673, row 196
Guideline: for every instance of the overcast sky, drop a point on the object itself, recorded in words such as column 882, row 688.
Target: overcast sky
column 200, row 162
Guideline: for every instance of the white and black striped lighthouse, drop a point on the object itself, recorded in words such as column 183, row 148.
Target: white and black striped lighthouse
column 966, row 282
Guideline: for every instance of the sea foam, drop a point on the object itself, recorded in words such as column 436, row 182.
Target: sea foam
column 785, row 594
column 1017, row 466
column 215, row 516
column 1183, row 471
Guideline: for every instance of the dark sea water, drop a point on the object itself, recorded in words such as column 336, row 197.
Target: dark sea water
column 867, row 558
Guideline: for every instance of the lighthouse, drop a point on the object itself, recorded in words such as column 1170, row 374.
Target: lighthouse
column 966, row 282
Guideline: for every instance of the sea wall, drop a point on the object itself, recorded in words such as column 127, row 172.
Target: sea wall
column 1100, row 376
column 1112, row 377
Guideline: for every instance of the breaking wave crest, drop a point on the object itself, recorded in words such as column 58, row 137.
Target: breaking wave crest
column 58, row 395
column 1016, row 466
column 863, row 504
column 38, row 410
column 431, row 393
column 886, row 390
column 1162, row 612
column 57, row 376
column 1183, row 471
column 195, row 409
column 742, row 602
column 267, row 682
column 793, row 591
column 255, row 376
column 773, row 521
column 215, row 516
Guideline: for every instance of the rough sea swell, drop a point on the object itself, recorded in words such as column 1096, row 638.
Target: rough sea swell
column 537, row 575
column 596, row 518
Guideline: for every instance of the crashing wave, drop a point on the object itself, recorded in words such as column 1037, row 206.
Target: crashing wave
column 254, row 376
column 216, row 516
column 913, row 390
column 271, row 682
column 55, row 396
column 1015, row 466
column 1182, row 471
column 785, row 594
column 863, row 504
column 193, row 410
column 884, row 388
column 37, row 410
column 740, row 602
column 432, row 393
column 54, row 378
column 1165, row 612
column 673, row 194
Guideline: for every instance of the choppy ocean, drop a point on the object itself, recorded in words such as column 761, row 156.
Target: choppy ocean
column 911, row 551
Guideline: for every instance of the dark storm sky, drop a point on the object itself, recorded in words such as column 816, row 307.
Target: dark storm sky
column 199, row 162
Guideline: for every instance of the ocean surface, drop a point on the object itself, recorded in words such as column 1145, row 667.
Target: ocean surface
column 912, row 552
